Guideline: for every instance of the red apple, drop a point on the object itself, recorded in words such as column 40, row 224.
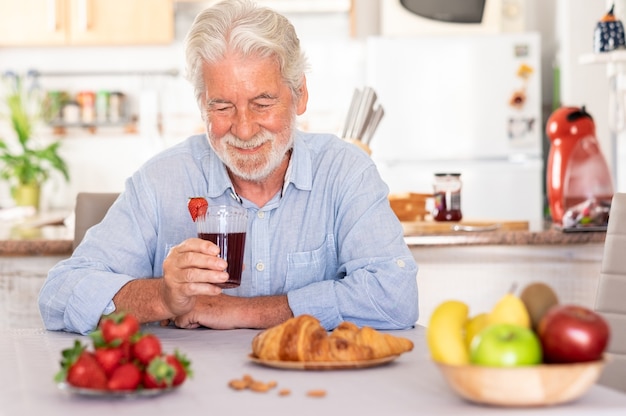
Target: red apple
column 572, row 333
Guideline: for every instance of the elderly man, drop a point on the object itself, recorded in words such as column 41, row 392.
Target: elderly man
column 321, row 238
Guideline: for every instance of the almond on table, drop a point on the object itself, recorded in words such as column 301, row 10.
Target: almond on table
column 247, row 382
column 316, row 393
column 238, row 384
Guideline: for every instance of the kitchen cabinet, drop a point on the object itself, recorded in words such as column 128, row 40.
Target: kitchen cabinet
column 32, row 22
column 480, row 275
column 21, row 278
column 86, row 22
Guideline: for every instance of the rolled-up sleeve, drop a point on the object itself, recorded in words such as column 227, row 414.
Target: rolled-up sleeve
column 375, row 281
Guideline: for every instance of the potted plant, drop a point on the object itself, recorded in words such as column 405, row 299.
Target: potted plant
column 26, row 164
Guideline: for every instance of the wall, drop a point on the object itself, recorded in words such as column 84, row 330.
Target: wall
column 337, row 67
column 102, row 162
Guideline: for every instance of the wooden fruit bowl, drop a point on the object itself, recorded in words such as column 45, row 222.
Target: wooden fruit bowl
column 540, row 385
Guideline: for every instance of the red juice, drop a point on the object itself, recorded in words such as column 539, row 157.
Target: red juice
column 231, row 249
column 447, row 193
column 447, row 207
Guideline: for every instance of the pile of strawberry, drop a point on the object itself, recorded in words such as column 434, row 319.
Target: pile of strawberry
column 123, row 359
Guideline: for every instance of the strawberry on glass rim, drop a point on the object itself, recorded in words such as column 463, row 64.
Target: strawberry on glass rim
column 197, row 206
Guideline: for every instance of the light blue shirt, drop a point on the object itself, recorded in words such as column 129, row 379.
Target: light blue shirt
column 329, row 240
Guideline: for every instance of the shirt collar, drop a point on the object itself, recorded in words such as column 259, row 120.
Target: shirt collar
column 300, row 171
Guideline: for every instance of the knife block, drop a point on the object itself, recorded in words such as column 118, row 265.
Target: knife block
column 360, row 145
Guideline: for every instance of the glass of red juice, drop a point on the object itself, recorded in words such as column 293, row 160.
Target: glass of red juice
column 226, row 226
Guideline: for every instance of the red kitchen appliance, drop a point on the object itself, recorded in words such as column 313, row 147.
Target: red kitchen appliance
column 577, row 170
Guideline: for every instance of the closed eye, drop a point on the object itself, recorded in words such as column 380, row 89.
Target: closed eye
column 261, row 106
column 264, row 101
column 219, row 106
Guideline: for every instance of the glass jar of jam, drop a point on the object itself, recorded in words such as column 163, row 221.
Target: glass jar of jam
column 447, row 193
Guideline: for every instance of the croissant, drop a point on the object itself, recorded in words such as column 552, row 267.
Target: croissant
column 303, row 338
column 382, row 345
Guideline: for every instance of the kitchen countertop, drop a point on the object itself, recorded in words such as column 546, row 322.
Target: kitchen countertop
column 56, row 240
column 550, row 236
column 40, row 241
column 43, row 234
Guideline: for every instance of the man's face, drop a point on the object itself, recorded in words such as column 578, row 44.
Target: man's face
column 250, row 114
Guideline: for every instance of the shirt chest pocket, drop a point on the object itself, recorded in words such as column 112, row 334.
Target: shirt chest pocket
column 306, row 267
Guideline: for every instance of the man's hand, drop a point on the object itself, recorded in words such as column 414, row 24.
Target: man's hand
column 189, row 270
column 230, row 312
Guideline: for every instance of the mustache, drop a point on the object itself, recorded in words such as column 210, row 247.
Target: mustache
column 261, row 138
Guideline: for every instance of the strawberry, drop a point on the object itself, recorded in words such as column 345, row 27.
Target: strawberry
column 87, row 373
column 126, row 377
column 99, row 343
column 145, row 348
column 80, row 368
column 181, row 365
column 197, row 207
column 167, row 370
column 159, row 374
column 118, row 327
column 110, row 358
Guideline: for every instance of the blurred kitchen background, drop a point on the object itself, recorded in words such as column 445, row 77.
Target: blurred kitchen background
column 473, row 101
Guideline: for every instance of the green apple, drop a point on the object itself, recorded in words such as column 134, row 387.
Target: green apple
column 505, row 345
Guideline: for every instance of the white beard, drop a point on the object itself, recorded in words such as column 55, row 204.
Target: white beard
column 253, row 168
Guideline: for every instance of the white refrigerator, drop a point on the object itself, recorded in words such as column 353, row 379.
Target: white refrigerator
column 468, row 104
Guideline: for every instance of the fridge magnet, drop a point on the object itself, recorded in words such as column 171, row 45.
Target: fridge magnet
column 520, row 128
column 518, row 98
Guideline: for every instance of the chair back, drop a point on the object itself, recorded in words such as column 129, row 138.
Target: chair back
column 91, row 207
column 611, row 295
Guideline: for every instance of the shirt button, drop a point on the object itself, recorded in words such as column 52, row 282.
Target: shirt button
column 260, row 266
column 400, row 263
column 261, row 214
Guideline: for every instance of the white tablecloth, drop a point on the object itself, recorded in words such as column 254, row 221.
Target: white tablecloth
column 409, row 385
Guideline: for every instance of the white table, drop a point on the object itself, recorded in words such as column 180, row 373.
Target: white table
column 29, row 358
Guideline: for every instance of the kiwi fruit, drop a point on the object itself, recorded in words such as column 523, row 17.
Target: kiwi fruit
column 538, row 297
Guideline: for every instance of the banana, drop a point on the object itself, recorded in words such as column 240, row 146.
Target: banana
column 444, row 333
column 474, row 325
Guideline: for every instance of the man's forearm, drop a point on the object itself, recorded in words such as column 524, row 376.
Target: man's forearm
column 231, row 312
column 264, row 311
column 142, row 298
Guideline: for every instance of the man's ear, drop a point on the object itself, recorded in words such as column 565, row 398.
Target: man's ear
column 303, row 98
